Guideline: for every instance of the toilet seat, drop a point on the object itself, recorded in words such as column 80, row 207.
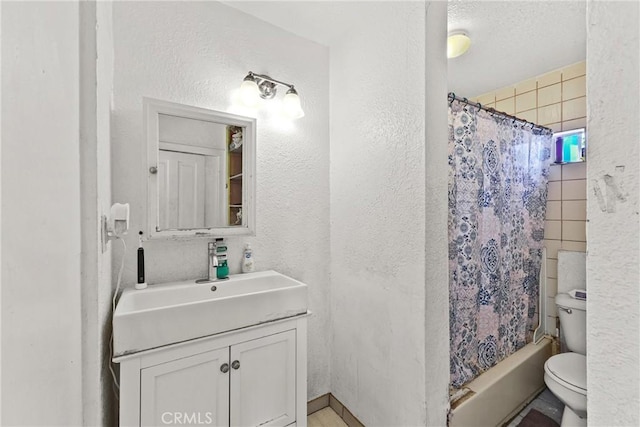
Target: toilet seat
column 569, row 370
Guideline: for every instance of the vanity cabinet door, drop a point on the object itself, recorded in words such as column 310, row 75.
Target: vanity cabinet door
column 263, row 381
column 188, row 391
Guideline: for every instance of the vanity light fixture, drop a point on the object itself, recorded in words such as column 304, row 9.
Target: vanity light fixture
column 458, row 42
column 256, row 86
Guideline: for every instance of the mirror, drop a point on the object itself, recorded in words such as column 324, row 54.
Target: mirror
column 200, row 171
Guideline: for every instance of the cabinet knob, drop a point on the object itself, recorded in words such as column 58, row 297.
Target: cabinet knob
column 235, row 364
column 224, row 368
column 153, row 170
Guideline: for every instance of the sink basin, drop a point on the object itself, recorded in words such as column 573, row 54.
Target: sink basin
column 180, row 311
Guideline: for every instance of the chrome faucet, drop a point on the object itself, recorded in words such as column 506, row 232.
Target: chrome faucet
column 213, row 262
column 212, row 270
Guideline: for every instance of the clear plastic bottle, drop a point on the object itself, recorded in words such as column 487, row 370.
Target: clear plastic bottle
column 247, row 259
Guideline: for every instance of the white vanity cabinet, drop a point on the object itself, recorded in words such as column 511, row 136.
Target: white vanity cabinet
column 190, row 387
column 255, row 376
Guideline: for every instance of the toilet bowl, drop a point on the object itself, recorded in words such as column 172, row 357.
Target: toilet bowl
column 565, row 374
column 566, row 377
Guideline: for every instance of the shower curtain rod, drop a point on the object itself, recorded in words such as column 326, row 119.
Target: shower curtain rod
column 452, row 96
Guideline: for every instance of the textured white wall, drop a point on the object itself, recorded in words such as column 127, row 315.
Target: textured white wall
column 104, row 92
column 197, row 53
column 613, row 234
column 436, row 217
column 378, row 214
column 41, row 318
column 96, row 85
column 0, row 222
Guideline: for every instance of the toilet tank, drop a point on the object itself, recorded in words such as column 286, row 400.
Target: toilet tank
column 573, row 322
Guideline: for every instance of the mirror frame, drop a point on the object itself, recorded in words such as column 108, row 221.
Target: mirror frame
column 152, row 108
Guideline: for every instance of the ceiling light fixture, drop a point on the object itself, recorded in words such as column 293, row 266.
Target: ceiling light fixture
column 256, row 86
column 458, row 42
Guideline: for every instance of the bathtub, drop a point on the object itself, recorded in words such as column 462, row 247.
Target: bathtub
column 500, row 393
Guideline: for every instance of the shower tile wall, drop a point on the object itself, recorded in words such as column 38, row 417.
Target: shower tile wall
column 558, row 101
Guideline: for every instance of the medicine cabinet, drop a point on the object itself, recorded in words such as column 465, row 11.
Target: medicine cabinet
column 200, row 171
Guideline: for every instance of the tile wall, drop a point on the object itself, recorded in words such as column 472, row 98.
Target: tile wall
column 558, row 101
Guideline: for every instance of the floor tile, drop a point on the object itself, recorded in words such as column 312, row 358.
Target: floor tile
column 515, row 421
column 325, row 418
column 549, row 397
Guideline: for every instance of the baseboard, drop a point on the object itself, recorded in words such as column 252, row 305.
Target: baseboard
column 318, row 403
column 337, row 406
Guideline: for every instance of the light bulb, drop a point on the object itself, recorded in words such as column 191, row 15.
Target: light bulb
column 249, row 92
column 457, row 44
column 291, row 104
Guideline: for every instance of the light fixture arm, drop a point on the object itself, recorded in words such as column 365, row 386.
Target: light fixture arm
column 269, row 79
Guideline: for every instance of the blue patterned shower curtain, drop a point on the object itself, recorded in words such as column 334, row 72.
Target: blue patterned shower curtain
column 498, row 174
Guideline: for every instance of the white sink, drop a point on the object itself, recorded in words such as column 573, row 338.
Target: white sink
column 180, row 311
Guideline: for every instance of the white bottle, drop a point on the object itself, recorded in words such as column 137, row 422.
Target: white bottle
column 247, row 259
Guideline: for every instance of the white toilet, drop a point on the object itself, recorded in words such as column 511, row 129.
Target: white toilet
column 566, row 374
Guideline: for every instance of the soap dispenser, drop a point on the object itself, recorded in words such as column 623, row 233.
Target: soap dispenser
column 247, row 259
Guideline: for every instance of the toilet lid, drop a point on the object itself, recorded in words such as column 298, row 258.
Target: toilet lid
column 569, row 368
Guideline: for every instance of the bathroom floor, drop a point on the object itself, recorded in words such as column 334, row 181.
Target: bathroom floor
column 325, row 418
column 546, row 403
